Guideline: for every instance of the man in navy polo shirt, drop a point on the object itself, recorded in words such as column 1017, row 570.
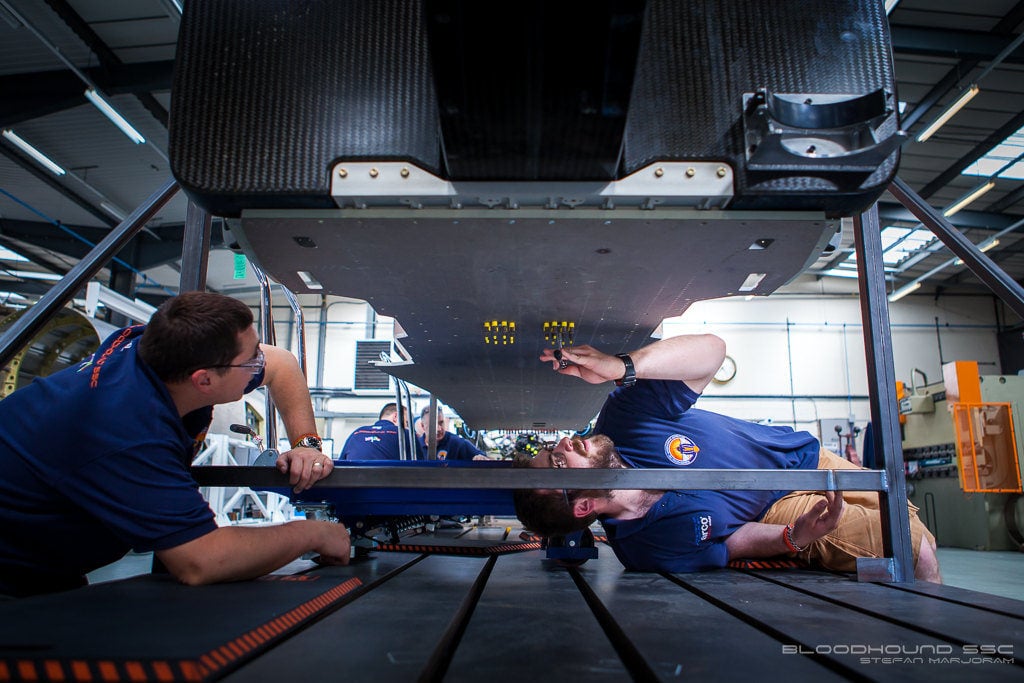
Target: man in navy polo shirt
column 650, row 421
column 96, row 458
column 449, row 446
column 379, row 441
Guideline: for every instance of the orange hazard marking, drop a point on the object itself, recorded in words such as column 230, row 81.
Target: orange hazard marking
column 80, row 670
column 27, row 671
column 108, row 671
column 54, row 671
column 163, row 672
column 222, row 655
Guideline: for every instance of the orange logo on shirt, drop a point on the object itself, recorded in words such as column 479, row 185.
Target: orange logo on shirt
column 681, row 450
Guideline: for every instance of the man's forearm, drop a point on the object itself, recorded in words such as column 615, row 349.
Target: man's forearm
column 287, row 386
column 236, row 553
column 755, row 539
column 692, row 358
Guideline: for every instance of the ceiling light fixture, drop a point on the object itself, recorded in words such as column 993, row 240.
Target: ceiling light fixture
column 33, row 152
column 983, row 247
column 903, row 291
column 949, row 112
column 968, row 198
column 135, row 136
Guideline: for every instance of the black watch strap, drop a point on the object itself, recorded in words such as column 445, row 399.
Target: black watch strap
column 629, row 377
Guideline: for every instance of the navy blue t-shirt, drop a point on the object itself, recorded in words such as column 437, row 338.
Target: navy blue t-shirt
column 653, row 424
column 452, row 447
column 95, row 462
column 378, row 441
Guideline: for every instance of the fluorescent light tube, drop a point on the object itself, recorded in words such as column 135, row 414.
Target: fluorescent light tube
column 968, row 198
column 950, row 112
column 983, row 247
column 903, row 291
column 33, row 152
column 115, row 118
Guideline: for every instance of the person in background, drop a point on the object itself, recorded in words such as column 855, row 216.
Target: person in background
column 379, row 441
column 96, row 458
column 449, row 446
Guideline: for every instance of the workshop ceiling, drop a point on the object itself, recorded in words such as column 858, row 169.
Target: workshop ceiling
column 51, row 51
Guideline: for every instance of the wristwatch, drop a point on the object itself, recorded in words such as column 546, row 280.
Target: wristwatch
column 628, row 378
column 309, row 441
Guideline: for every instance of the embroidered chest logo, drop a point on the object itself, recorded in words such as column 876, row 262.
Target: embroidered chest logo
column 442, row 455
column 681, row 450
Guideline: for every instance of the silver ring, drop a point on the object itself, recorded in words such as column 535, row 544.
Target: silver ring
column 318, row 464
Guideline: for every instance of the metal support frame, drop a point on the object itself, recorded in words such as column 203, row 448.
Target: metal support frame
column 275, row 508
column 195, row 249
column 267, row 336
column 430, row 428
column 300, row 328
column 408, row 438
column 29, row 324
column 986, row 270
column 898, row 564
column 494, row 476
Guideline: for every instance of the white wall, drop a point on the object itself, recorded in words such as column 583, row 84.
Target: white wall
column 801, row 359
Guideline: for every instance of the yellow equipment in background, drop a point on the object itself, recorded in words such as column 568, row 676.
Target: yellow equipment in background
column 962, row 455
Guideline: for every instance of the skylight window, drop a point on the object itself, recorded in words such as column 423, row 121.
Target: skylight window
column 999, row 156
column 8, row 255
column 898, row 245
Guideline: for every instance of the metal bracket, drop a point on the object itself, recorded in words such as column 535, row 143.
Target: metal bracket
column 877, row 569
column 817, row 133
column 699, row 184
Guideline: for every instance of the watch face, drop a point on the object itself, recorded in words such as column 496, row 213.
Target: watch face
column 311, row 442
column 726, row 372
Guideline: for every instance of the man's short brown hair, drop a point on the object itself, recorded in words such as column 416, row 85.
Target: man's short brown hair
column 546, row 513
column 191, row 331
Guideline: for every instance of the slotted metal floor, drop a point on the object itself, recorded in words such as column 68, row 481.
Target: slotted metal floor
column 402, row 616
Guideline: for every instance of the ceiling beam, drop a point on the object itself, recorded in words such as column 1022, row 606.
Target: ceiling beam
column 143, row 252
column 108, row 59
column 18, row 248
column 1007, row 200
column 978, row 151
column 889, row 212
column 31, row 95
column 958, row 43
column 1006, row 27
column 51, row 181
column 31, row 289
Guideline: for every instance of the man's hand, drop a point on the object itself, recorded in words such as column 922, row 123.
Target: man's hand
column 587, row 363
column 820, row 520
column 336, row 546
column 304, row 467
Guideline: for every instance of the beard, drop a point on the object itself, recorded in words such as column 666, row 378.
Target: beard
column 602, row 452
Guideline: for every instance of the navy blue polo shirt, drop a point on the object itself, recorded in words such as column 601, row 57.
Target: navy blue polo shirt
column 95, row 462
column 378, row 441
column 452, row 447
column 654, row 424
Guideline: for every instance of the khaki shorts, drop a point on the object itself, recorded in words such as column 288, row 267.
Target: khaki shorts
column 859, row 533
